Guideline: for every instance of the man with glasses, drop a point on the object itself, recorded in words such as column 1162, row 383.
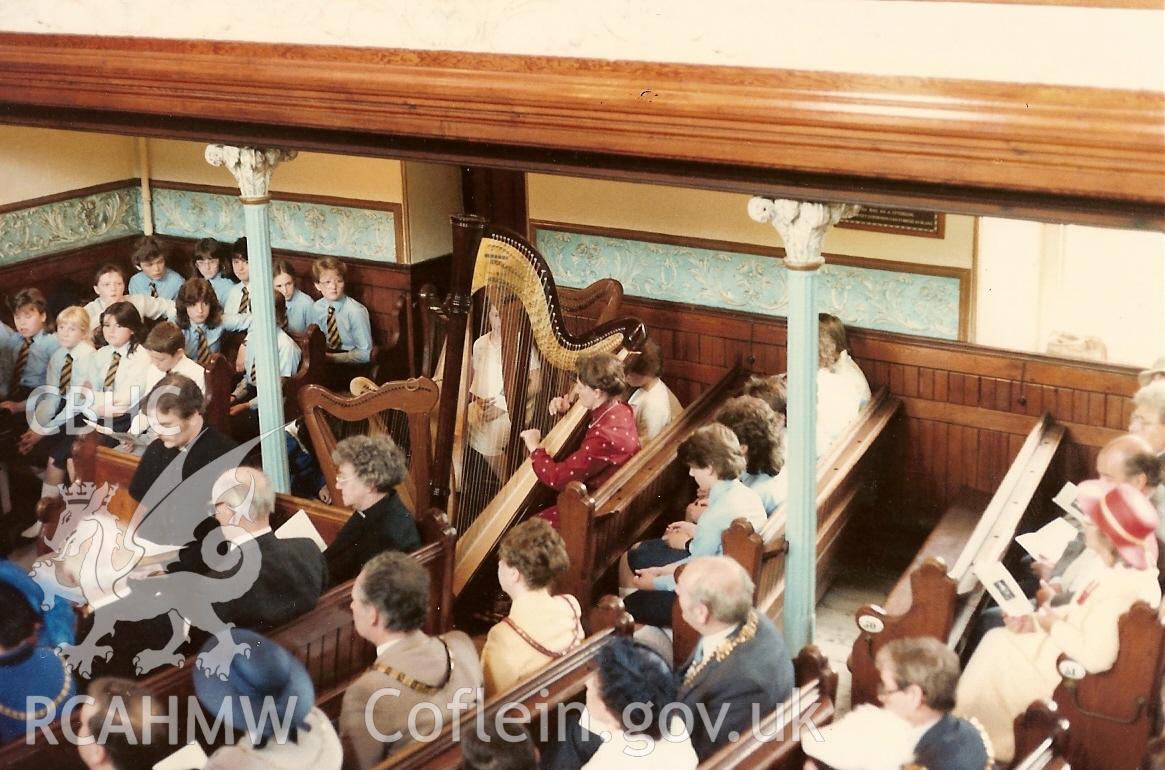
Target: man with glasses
column 918, row 680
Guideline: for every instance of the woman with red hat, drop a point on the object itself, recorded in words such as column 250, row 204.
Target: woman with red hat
column 1016, row 665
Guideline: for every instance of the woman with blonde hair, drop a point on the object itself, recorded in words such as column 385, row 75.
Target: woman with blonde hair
column 540, row 627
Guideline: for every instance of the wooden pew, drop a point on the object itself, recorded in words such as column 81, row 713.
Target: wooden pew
column 652, row 485
column 562, row 681
column 842, row 476
column 1112, row 713
column 1041, row 735
column 776, row 741
column 324, row 639
column 220, row 378
column 931, row 599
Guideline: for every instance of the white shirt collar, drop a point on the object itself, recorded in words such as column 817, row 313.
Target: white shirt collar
column 712, row 641
column 917, row 731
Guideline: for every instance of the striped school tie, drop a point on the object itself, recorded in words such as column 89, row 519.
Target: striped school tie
column 203, row 348
column 111, row 372
column 333, row 330
column 66, row 377
column 153, row 290
column 245, row 301
column 21, row 362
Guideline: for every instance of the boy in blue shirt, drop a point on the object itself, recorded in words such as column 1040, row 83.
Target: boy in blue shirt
column 343, row 320
column 153, row 278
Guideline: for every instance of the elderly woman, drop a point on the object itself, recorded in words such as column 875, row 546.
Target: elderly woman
column 622, row 724
column 540, row 628
column 758, row 428
column 368, row 469
column 268, row 680
column 842, row 389
column 610, row 441
column 1014, row 666
column 715, row 460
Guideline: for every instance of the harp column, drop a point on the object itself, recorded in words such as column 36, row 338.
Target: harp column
column 252, row 167
column 802, row 226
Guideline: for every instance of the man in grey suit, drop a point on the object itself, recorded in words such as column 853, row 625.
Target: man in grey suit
column 740, row 670
column 434, row 678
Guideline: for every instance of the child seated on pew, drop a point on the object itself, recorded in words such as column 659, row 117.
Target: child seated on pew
column 238, row 301
column 299, row 305
column 343, row 320
column 109, row 286
column 26, row 356
column 211, row 261
column 66, row 371
column 245, row 401
column 154, row 278
column 757, row 428
column 202, row 320
column 654, row 404
column 842, row 389
column 165, row 347
column 716, row 461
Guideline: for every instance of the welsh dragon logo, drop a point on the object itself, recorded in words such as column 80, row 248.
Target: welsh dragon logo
column 115, row 569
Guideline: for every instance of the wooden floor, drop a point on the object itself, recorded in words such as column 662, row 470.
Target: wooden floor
column 869, row 567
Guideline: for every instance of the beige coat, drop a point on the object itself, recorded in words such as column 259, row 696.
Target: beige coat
column 552, row 621
column 1008, row 671
column 386, row 701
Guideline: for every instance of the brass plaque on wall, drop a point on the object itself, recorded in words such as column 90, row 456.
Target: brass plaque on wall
column 925, row 224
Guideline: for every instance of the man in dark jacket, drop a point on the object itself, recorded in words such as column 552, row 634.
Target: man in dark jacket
column 368, row 471
column 740, row 670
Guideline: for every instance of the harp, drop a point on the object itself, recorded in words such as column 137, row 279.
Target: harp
column 518, row 346
column 400, row 409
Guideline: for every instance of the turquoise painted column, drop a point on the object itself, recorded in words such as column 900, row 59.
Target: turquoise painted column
column 252, row 169
column 802, row 226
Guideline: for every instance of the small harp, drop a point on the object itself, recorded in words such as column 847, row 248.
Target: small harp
column 400, row 409
column 506, row 330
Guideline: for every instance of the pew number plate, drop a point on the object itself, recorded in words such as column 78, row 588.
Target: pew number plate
column 1070, row 669
column 871, row 624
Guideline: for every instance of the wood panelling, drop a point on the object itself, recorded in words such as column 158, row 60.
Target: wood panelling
column 967, row 408
column 961, row 146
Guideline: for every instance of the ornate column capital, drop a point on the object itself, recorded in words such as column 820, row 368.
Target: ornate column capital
column 802, row 225
column 250, row 166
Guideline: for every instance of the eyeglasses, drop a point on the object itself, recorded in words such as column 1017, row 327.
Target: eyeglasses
column 883, row 692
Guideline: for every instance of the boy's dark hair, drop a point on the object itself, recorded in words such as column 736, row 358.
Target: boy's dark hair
column 108, row 267
column 179, row 395
column 493, row 751
column 30, row 297
column 193, row 291
column 20, row 619
column 148, row 249
column 635, row 683
column 165, row 338
column 239, row 249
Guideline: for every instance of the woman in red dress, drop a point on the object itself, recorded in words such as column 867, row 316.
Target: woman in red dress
column 611, row 438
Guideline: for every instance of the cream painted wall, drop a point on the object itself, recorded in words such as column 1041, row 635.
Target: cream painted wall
column 723, row 216
column 433, row 193
column 35, row 162
column 311, row 173
column 1035, row 280
column 1035, row 43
